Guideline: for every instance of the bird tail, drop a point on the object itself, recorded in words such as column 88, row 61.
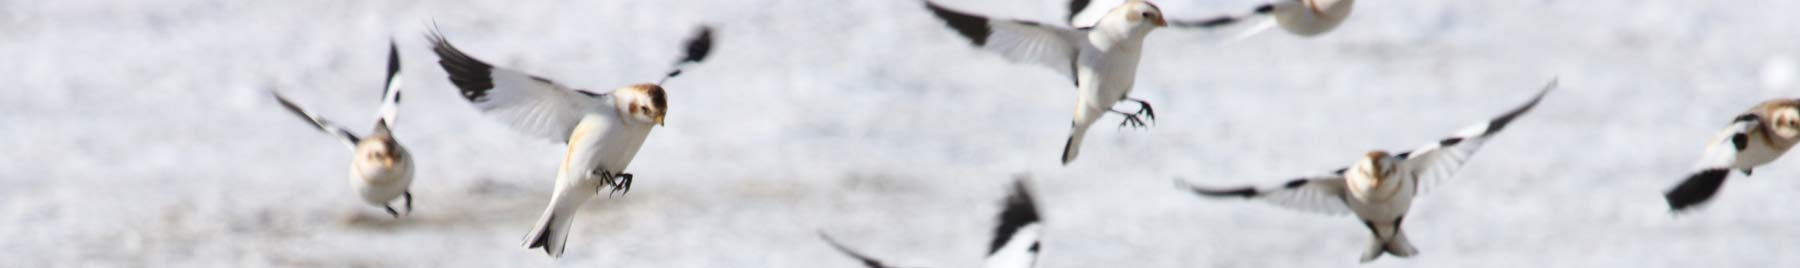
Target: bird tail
column 552, row 230
column 1697, row 189
column 1072, row 147
column 1397, row 246
column 551, row 233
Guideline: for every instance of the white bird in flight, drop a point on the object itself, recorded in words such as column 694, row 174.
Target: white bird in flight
column 1101, row 60
column 1380, row 187
column 1017, row 237
column 603, row 130
column 381, row 170
column 1754, row 138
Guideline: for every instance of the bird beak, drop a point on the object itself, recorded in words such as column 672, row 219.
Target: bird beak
column 659, row 120
column 1161, row 23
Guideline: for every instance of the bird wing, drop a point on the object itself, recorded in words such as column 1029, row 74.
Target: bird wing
column 1018, row 236
column 1715, row 165
column 866, row 260
column 1435, row 163
column 316, row 121
column 528, row 103
column 1018, row 41
column 1231, row 19
column 390, row 94
column 1319, row 194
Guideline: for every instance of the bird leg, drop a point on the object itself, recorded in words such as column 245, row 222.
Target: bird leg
column 622, row 185
column 1132, row 119
column 408, row 196
column 391, row 212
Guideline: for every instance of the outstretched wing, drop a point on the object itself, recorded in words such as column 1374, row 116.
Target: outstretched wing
column 316, row 121
column 1715, row 165
column 390, row 94
column 1018, row 236
column 1432, row 164
column 1322, row 194
column 866, row 260
column 530, row 104
column 1231, row 19
column 1017, row 41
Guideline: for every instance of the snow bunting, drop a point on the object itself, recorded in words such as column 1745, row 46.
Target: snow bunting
column 603, row 130
column 1380, row 187
column 1016, row 238
column 1102, row 60
column 381, row 170
column 1305, row 18
column 1756, row 137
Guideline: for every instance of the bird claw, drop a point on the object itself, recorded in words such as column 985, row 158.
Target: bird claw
column 1134, row 119
column 391, row 212
column 620, row 182
column 622, row 185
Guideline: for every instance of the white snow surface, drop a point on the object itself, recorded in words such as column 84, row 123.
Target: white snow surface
column 142, row 134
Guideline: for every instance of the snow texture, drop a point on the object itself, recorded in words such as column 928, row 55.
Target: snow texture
column 142, row 133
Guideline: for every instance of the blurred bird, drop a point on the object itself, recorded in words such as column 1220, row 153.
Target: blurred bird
column 1101, row 60
column 603, row 130
column 1380, row 187
column 1306, row 18
column 1756, row 137
column 381, row 170
column 1016, row 238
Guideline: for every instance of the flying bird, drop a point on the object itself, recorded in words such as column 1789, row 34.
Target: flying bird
column 1305, row 18
column 1017, row 236
column 1379, row 188
column 1754, row 138
column 603, row 131
column 1101, row 61
column 381, row 170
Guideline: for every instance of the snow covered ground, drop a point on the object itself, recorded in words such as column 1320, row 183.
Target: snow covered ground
column 141, row 133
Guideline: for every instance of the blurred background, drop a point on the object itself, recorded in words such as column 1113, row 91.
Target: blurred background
column 142, row 133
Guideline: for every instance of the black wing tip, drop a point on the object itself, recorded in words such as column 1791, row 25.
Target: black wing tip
column 1500, row 123
column 1216, row 22
column 865, row 259
column 975, row 28
column 699, row 46
column 1240, row 192
column 1075, row 9
column 1264, row 9
column 1020, row 210
column 393, row 58
column 471, row 76
column 1696, row 189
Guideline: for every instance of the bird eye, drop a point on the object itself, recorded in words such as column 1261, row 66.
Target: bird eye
column 1148, row 15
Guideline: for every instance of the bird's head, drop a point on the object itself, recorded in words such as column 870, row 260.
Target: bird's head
column 1140, row 15
column 644, row 103
column 381, row 148
column 1784, row 117
column 1370, row 173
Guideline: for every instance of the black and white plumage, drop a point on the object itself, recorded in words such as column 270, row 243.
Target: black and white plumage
column 380, row 170
column 1754, row 138
column 1380, row 187
column 1304, row 18
column 866, row 261
column 1101, row 61
column 1017, row 235
column 603, row 131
